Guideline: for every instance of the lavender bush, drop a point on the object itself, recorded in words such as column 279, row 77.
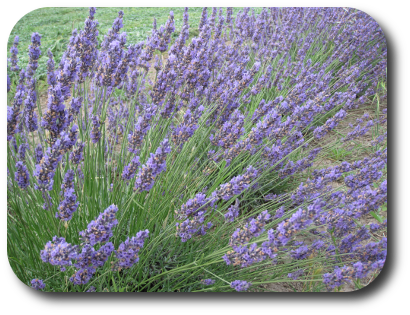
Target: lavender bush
column 186, row 163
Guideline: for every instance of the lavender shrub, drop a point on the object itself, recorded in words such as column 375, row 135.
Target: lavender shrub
column 205, row 152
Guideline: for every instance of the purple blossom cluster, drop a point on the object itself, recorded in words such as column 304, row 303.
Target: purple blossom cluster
column 100, row 229
column 192, row 214
column 13, row 112
column 207, row 281
column 152, row 168
column 233, row 212
column 87, row 259
column 59, row 252
column 141, row 128
column 330, row 124
column 22, row 175
column 230, row 131
column 37, row 284
column 127, row 252
column 129, row 170
column 38, row 151
column 374, row 256
column 47, row 166
column 237, row 184
column 14, row 52
column 240, row 285
column 55, row 118
column 91, row 289
column 69, row 203
column 242, row 254
column 95, row 133
column 87, row 40
column 186, row 129
column 34, row 53
column 77, row 155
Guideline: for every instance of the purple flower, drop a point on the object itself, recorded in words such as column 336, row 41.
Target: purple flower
column 100, row 229
column 88, row 52
column 129, row 170
column 233, row 212
column 242, row 254
column 204, row 18
column 37, row 284
column 193, row 226
column 95, row 133
column 199, row 203
column 289, row 227
column 34, row 53
column 8, row 83
column 230, row 131
column 237, row 184
column 184, row 131
column 207, row 281
column 13, row 112
column 76, row 103
column 141, row 128
column 51, row 74
column 165, row 33
column 240, row 285
column 91, row 289
column 127, row 252
column 347, row 273
column 330, row 124
column 55, row 119
column 83, row 259
column 69, row 203
column 59, row 252
column 77, row 155
column 46, row 168
column 30, row 104
column 100, row 256
column 252, row 229
column 22, row 175
column 296, row 274
column 82, row 276
column 14, row 52
column 39, row 153
column 154, row 166
column 22, row 151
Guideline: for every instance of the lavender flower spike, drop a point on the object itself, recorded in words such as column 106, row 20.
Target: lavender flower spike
column 34, row 54
column 127, row 253
column 59, row 252
column 240, row 285
column 130, row 169
column 237, row 184
column 69, row 203
column 14, row 52
column 154, row 166
column 95, row 134
column 37, row 284
column 100, row 230
column 39, row 153
column 22, row 176
column 207, row 281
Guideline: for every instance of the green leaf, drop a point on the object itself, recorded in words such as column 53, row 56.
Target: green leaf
column 376, row 216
